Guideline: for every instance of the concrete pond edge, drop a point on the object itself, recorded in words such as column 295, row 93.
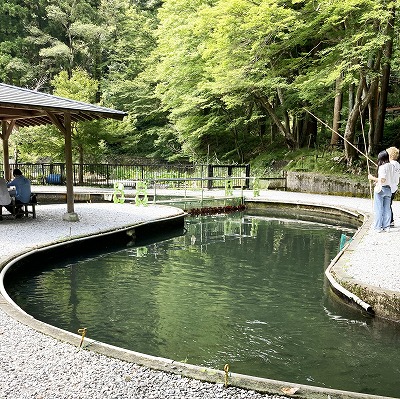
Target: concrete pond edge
column 376, row 301
column 263, row 385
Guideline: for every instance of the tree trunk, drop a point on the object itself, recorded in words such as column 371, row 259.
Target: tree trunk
column 274, row 131
column 337, row 113
column 387, row 51
column 80, row 149
column 310, row 130
column 360, row 105
column 238, row 147
column 296, row 128
column 372, row 112
column 290, row 141
column 351, row 96
column 305, row 130
column 363, row 99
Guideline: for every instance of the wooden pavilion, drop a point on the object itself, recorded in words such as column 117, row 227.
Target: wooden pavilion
column 21, row 107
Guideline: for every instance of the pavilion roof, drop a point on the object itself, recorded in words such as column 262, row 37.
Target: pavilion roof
column 32, row 108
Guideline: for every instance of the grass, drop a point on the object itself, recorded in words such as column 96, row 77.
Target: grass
column 324, row 161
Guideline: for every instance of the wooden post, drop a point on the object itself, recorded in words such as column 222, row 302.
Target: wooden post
column 70, row 215
column 6, row 129
column 6, row 159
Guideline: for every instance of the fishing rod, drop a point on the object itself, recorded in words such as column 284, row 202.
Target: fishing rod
column 365, row 147
column 347, row 141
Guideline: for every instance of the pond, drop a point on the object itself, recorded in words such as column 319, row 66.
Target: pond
column 239, row 289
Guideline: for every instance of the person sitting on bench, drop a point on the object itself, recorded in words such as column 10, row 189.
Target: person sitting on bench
column 22, row 192
column 5, row 198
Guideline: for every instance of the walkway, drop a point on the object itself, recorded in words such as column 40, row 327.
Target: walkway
column 36, row 366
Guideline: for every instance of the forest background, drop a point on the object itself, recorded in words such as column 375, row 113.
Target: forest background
column 268, row 82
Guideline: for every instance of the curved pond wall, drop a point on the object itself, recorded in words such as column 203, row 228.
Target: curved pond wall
column 382, row 303
column 374, row 300
column 128, row 235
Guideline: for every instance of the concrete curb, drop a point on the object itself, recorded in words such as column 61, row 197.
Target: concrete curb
column 384, row 303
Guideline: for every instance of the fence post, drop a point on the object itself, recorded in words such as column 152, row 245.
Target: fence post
column 285, row 177
column 43, row 173
column 185, row 183
column 247, row 180
column 107, row 175
column 201, row 187
column 210, row 174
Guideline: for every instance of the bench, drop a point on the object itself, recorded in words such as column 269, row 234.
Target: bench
column 27, row 209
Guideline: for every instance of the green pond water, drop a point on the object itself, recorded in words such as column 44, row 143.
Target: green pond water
column 239, row 289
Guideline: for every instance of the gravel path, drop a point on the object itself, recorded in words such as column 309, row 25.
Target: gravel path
column 36, row 366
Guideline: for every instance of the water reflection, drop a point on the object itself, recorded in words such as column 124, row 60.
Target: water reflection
column 237, row 289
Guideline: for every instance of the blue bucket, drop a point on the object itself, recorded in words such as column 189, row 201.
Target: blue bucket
column 54, row 178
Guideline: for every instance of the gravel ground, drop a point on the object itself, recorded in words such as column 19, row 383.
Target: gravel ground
column 36, row 366
column 94, row 218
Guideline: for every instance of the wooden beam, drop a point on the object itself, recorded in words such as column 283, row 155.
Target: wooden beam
column 58, row 122
column 13, row 113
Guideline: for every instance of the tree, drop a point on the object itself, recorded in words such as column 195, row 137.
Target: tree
column 129, row 86
column 219, row 79
column 87, row 137
column 355, row 34
column 70, row 38
column 199, row 116
column 225, row 67
column 15, row 65
column 38, row 144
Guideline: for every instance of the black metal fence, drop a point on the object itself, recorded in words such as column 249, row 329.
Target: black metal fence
column 240, row 175
column 163, row 175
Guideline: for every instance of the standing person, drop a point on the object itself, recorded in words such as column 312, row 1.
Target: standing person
column 382, row 192
column 393, row 156
column 22, row 191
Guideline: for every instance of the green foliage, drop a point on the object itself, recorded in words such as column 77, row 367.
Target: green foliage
column 39, row 144
column 88, row 137
column 205, row 80
column 323, row 160
column 392, row 133
column 80, row 86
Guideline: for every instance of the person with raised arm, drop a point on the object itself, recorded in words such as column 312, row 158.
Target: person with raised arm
column 382, row 192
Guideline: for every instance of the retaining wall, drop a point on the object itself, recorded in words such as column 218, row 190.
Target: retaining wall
column 320, row 184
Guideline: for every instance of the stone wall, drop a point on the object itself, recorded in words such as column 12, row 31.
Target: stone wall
column 320, row 184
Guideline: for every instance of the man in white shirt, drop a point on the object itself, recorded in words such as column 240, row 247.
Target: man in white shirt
column 393, row 156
